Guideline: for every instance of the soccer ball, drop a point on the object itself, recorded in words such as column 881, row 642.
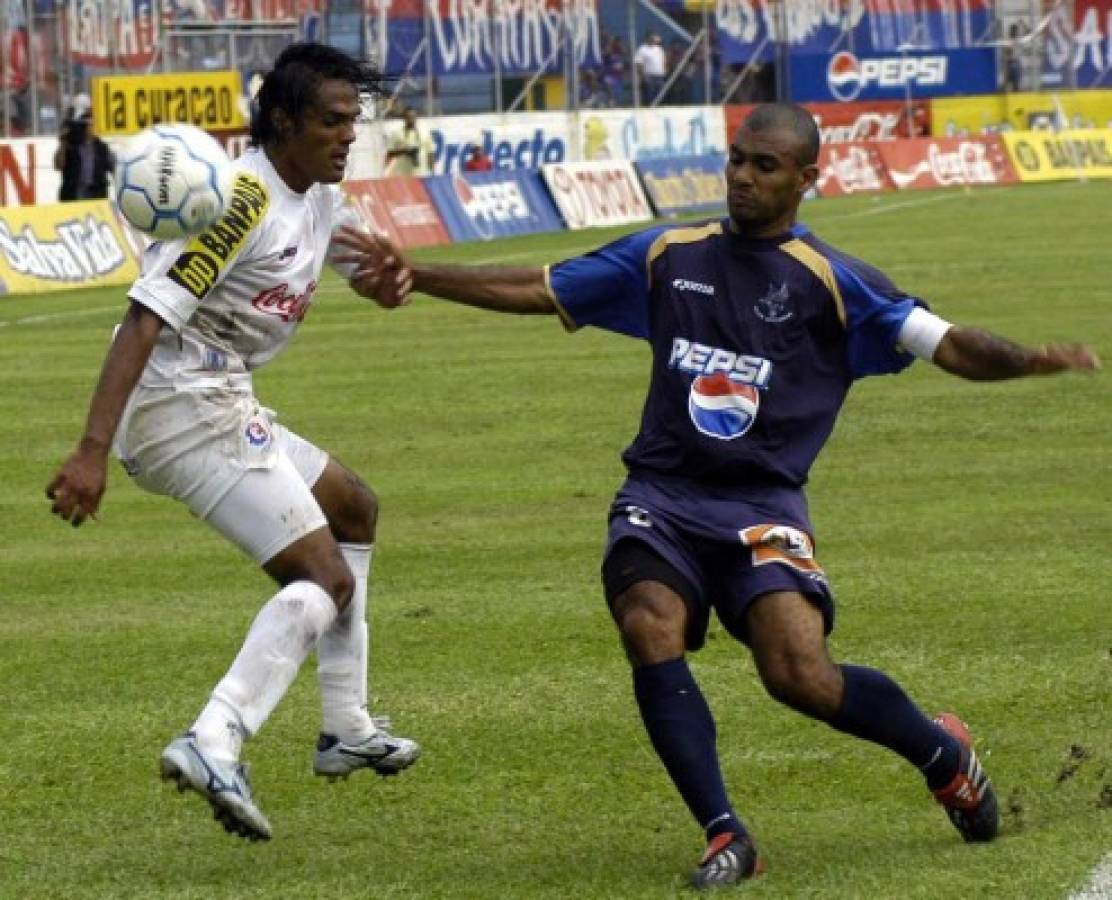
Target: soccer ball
column 172, row 181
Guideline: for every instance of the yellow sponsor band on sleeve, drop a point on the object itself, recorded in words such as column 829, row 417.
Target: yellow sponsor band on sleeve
column 204, row 258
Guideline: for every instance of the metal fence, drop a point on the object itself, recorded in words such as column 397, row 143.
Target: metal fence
column 506, row 55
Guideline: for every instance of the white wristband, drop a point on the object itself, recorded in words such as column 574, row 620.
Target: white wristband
column 922, row 332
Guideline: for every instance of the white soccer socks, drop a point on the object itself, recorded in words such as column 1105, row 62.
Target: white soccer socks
column 288, row 626
column 342, row 658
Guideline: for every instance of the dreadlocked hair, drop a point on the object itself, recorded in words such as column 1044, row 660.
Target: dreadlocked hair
column 292, row 84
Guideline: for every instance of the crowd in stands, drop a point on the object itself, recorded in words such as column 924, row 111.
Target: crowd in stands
column 671, row 76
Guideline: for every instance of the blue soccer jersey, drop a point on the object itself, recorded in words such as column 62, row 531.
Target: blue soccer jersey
column 755, row 343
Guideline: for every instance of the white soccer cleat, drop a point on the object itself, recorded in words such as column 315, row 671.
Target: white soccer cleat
column 223, row 783
column 382, row 752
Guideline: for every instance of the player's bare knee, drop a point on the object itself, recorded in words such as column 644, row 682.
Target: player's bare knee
column 805, row 681
column 651, row 628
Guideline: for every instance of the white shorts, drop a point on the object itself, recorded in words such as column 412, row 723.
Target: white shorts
column 228, row 460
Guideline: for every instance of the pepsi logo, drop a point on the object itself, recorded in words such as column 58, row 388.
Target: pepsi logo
column 843, row 75
column 847, row 76
column 489, row 204
column 721, row 408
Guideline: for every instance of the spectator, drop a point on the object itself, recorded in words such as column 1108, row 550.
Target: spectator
column 477, row 160
column 648, row 62
column 680, row 92
column 84, row 160
column 591, row 94
column 1013, row 63
column 410, row 152
column 614, row 71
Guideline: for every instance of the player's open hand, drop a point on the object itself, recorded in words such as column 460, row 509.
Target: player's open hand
column 1053, row 358
column 381, row 273
column 77, row 488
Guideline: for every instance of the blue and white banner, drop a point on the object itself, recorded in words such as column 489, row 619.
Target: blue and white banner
column 512, row 141
column 846, row 76
column 507, row 36
column 481, row 206
column 749, row 29
column 663, row 132
column 1083, row 45
column 685, row 184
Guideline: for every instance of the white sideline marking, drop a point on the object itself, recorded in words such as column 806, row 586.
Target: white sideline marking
column 1099, row 885
column 49, row 317
column 918, row 201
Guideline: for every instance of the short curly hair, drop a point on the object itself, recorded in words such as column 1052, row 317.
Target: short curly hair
column 292, row 84
column 789, row 117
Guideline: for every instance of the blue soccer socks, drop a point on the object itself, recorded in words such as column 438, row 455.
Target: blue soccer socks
column 682, row 731
column 875, row 708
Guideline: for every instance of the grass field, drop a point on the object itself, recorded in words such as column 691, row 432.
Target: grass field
column 965, row 528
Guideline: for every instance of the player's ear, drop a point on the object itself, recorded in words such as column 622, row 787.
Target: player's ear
column 808, row 177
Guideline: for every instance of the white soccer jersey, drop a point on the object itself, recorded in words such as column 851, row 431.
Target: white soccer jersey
column 231, row 297
column 234, row 295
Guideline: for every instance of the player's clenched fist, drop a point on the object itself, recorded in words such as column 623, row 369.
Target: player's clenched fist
column 381, row 273
column 78, row 486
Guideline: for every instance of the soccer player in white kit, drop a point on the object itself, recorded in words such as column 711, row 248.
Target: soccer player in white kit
column 175, row 403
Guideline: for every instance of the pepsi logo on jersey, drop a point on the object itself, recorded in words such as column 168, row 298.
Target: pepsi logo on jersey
column 700, row 359
column 722, row 409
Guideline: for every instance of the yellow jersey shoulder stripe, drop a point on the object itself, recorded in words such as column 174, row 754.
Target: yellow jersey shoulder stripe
column 678, row 236
column 820, row 265
column 565, row 319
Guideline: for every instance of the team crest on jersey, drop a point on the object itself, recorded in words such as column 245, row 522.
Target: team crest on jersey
column 774, row 307
column 202, row 260
column 257, row 432
column 722, row 408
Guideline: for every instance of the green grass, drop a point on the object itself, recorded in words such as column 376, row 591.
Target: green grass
column 965, row 527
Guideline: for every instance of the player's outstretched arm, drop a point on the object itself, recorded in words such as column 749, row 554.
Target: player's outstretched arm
column 384, row 274
column 982, row 356
column 79, row 484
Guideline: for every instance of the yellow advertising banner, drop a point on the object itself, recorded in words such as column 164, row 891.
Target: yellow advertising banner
column 125, row 104
column 1059, row 155
column 1019, row 111
column 58, row 246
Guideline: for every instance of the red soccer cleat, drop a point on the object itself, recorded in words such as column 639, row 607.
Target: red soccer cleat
column 970, row 799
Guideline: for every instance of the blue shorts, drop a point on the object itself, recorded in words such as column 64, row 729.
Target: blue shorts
column 730, row 550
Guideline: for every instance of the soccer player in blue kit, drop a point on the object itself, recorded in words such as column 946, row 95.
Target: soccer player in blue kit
column 758, row 330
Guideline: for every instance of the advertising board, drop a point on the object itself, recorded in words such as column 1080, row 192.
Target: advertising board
column 924, row 163
column 400, row 208
column 57, row 246
column 589, row 194
column 851, row 169
column 685, row 184
column 481, row 206
column 847, row 76
column 1059, row 155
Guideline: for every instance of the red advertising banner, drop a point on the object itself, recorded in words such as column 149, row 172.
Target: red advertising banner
column 119, row 35
column 845, row 123
column 399, row 208
column 851, row 169
column 926, row 163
